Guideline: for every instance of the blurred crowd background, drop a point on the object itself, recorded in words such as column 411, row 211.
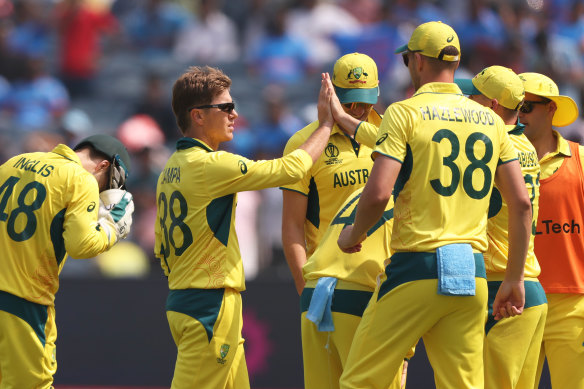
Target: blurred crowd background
column 69, row 68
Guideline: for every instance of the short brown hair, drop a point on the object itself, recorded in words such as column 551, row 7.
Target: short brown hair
column 197, row 86
column 439, row 63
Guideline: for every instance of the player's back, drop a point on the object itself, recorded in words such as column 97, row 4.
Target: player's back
column 450, row 147
column 497, row 228
column 36, row 191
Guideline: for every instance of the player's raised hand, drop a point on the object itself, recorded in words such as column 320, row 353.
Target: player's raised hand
column 347, row 243
column 115, row 212
column 510, row 299
column 325, row 116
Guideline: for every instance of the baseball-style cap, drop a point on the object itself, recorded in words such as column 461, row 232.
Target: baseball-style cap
column 430, row 39
column 541, row 85
column 495, row 82
column 355, row 79
column 109, row 146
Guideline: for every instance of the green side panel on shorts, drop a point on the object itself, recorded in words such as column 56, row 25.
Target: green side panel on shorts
column 202, row 305
column 219, row 217
column 313, row 206
column 411, row 266
column 57, row 236
column 34, row 314
column 534, row 296
column 404, row 173
column 352, row 302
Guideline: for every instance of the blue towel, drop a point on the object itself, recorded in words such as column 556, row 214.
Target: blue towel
column 319, row 310
column 456, row 270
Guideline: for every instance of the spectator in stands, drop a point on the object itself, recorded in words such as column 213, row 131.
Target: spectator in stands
column 80, row 28
column 155, row 102
column 316, row 21
column 37, row 101
column 279, row 57
column 31, row 34
column 210, row 39
column 153, row 26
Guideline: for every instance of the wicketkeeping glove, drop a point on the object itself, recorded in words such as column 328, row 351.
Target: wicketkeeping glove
column 115, row 212
column 118, row 174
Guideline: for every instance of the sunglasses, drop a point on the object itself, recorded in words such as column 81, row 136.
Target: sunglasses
column 352, row 106
column 406, row 58
column 528, row 105
column 225, row 107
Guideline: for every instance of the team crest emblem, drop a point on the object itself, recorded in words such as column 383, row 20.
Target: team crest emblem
column 357, row 73
column 243, row 168
column 223, row 350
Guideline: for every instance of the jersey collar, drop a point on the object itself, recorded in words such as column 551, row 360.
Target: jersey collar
column 515, row 129
column 67, row 152
column 186, row 143
column 439, row 87
column 563, row 145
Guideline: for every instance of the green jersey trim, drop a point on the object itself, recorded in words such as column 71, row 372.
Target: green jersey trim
column 313, row 206
column 499, row 163
column 219, row 217
column 187, row 143
column 202, row 305
column 517, row 130
column 411, row 266
column 534, row 296
column 56, row 231
column 386, row 155
column 293, row 190
column 34, row 314
column 351, row 302
column 404, row 173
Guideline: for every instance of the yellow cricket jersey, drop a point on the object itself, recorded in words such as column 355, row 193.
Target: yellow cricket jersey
column 552, row 161
column 497, row 227
column 342, row 168
column 362, row 267
column 196, row 198
column 449, row 147
column 48, row 209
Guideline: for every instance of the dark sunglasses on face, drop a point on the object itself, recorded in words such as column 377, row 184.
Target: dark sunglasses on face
column 225, row 107
column 528, row 105
column 406, row 58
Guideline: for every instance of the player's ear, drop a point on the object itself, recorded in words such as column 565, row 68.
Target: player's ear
column 494, row 104
column 104, row 165
column 197, row 116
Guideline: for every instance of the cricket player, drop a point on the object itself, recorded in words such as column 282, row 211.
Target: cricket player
column 512, row 345
column 50, row 207
column 559, row 243
column 195, row 231
column 438, row 152
column 310, row 204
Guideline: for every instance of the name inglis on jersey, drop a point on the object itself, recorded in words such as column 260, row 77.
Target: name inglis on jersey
column 33, row 166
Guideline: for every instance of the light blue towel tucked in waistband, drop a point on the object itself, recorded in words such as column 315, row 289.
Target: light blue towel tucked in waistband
column 456, row 270
column 319, row 310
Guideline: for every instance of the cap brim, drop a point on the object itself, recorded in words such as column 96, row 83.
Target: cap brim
column 567, row 111
column 356, row 95
column 401, row 49
column 467, row 87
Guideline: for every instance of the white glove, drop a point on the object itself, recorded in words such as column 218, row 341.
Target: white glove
column 115, row 212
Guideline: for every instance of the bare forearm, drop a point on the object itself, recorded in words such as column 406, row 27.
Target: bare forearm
column 317, row 141
column 295, row 253
column 519, row 235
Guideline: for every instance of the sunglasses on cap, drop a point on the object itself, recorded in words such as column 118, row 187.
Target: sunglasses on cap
column 225, row 107
column 528, row 105
column 352, row 106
